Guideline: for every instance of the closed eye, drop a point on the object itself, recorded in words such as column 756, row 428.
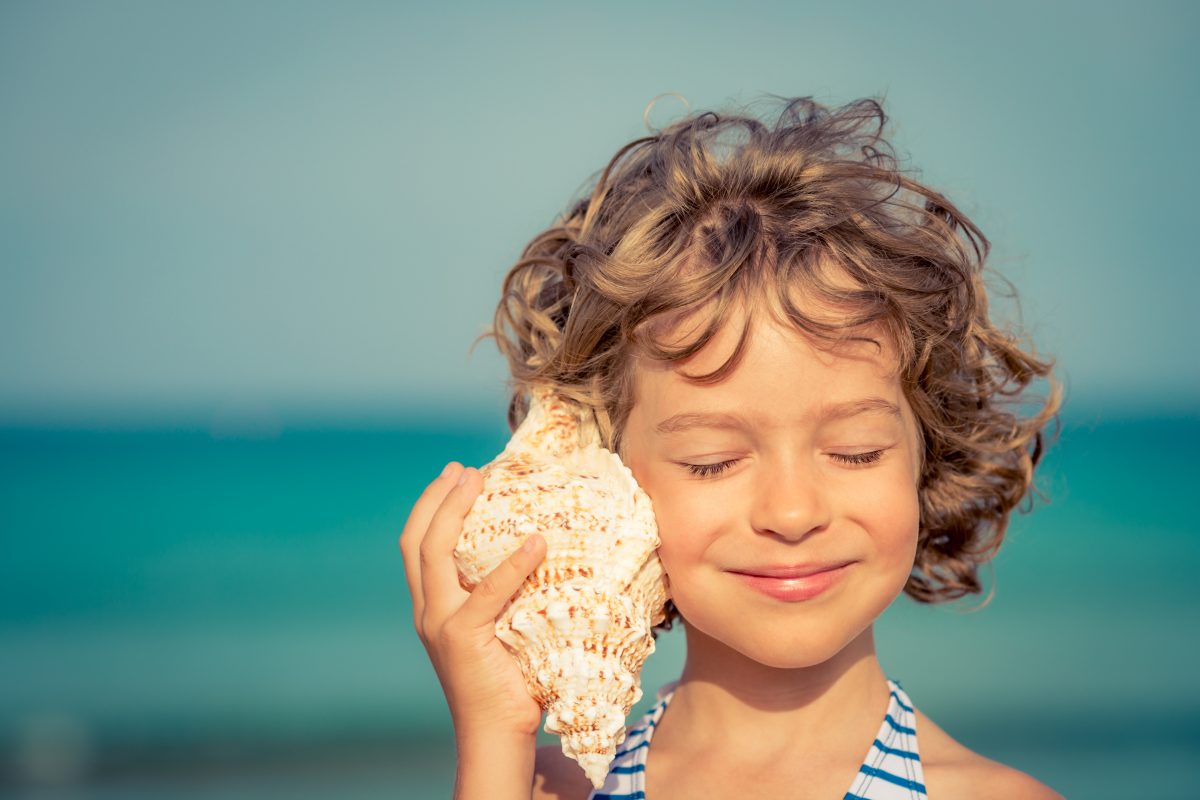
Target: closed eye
column 712, row 470
column 709, row 470
column 858, row 458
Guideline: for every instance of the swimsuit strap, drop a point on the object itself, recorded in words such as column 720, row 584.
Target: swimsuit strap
column 891, row 769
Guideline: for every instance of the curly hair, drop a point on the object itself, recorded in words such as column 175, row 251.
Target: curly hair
column 717, row 207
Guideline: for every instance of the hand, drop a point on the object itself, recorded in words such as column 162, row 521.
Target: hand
column 483, row 684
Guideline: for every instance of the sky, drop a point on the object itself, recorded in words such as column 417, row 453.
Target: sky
column 252, row 215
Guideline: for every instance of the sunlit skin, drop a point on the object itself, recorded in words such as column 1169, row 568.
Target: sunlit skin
column 764, row 678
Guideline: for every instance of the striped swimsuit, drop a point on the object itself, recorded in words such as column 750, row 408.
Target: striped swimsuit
column 890, row 771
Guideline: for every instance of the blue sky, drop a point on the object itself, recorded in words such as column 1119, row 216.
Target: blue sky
column 281, row 211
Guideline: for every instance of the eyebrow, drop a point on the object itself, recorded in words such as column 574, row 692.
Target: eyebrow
column 720, row 419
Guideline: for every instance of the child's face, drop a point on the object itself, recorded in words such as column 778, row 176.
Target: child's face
column 786, row 498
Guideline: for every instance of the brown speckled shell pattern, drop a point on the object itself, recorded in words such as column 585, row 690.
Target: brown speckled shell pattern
column 580, row 625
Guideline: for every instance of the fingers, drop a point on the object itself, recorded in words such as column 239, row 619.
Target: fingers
column 439, row 575
column 416, row 528
column 487, row 600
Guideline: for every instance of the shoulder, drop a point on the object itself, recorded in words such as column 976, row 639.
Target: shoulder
column 981, row 778
column 954, row 771
column 556, row 777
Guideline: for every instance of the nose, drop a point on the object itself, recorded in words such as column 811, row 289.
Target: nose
column 790, row 500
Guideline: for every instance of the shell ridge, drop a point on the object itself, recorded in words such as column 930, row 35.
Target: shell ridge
column 580, row 624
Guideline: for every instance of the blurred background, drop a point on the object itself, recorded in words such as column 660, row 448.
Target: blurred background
column 245, row 248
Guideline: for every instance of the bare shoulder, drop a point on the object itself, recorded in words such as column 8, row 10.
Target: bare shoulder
column 954, row 771
column 556, row 777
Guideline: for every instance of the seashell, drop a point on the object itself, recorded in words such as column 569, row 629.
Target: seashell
column 579, row 627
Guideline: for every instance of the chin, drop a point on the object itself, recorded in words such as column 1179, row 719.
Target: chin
column 783, row 644
column 796, row 650
column 776, row 658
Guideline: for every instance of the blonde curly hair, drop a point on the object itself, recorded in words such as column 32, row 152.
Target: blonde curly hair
column 718, row 207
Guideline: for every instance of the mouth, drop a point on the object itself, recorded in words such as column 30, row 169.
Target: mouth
column 784, row 571
column 795, row 589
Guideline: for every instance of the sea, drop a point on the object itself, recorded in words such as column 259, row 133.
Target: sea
column 191, row 615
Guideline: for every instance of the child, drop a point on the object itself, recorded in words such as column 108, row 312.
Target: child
column 787, row 340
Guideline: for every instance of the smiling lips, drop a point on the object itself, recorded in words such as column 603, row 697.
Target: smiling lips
column 797, row 571
column 794, row 584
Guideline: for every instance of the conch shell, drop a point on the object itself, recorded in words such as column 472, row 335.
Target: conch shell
column 580, row 624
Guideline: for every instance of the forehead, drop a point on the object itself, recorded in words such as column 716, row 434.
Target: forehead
column 775, row 354
column 770, row 321
column 809, row 285
column 782, row 371
column 782, row 380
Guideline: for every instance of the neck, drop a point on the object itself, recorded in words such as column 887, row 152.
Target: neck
column 725, row 698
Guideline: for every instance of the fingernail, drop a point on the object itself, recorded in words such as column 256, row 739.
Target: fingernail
column 448, row 469
column 462, row 478
column 529, row 544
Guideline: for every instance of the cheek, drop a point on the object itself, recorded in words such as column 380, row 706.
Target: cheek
column 688, row 521
column 685, row 548
column 670, row 509
column 895, row 523
column 682, row 523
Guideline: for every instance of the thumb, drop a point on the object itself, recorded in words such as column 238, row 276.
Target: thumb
column 486, row 601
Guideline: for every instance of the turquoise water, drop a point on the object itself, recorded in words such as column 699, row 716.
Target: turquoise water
column 183, row 616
